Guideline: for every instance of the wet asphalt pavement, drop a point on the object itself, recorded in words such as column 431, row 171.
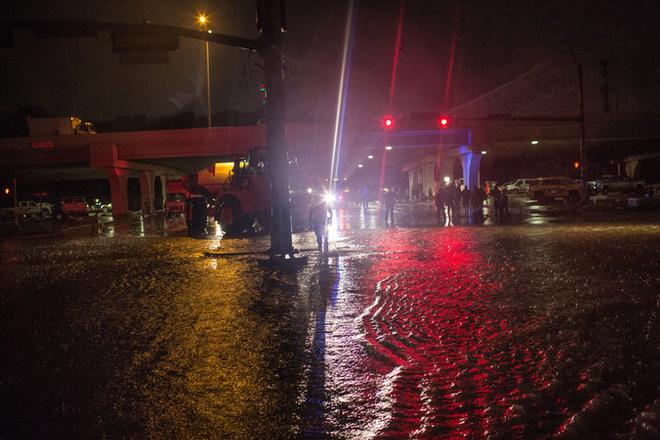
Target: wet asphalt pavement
column 542, row 327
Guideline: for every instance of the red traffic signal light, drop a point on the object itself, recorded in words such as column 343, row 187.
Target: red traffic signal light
column 443, row 121
column 388, row 122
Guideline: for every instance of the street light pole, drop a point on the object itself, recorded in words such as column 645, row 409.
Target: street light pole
column 208, row 84
column 203, row 22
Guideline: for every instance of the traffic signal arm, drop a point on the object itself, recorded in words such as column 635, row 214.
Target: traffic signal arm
column 164, row 35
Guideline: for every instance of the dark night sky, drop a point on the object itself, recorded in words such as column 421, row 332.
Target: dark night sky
column 518, row 43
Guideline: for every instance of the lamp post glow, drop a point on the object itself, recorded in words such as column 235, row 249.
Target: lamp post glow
column 203, row 22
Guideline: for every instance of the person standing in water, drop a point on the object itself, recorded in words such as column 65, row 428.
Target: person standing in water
column 320, row 215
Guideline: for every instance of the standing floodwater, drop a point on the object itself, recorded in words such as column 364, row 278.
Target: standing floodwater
column 464, row 332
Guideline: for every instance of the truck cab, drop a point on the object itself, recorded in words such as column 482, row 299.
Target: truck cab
column 237, row 190
column 175, row 199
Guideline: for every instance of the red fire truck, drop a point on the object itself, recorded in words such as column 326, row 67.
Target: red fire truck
column 236, row 190
column 176, row 197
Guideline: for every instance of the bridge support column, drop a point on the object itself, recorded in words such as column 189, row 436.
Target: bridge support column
column 118, row 178
column 160, row 188
column 146, row 179
column 470, row 162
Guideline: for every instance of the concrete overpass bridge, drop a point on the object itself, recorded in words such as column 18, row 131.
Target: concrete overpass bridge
column 155, row 156
column 152, row 156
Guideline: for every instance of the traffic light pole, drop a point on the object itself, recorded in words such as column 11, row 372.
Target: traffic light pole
column 583, row 156
column 582, row 140
column 271, row 50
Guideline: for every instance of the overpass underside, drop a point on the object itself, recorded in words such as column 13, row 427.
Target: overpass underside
column 153, row 157
column 427, row 155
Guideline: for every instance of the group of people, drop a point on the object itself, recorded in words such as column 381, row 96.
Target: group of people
column 500, row 202
column 452, row 202
column 453, row 199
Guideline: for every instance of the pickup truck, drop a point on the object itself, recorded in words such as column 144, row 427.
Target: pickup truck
column 518, row 186
column 550, row 188
column 74, row 206
column 613, row 184
column 29, row 207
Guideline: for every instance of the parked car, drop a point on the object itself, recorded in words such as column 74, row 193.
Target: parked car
column 29, row 207
column 610, row 183
column 74, row 206
column 106, row 207
column 518, row 186
column 99, row 206
column 550, row 188
column 652, row 190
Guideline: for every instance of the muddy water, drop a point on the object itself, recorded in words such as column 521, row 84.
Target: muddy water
column 503, row 332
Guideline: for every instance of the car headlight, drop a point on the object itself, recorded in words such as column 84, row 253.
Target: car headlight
column 329, row 198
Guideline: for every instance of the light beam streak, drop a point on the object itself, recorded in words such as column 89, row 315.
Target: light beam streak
column 395, row 67
column 338, row 137
column 397, row 48
column 452, row 55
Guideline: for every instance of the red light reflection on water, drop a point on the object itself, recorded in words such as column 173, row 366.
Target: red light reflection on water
column 430, row 326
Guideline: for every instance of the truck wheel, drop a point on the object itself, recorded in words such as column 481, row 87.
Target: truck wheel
column 228, row 213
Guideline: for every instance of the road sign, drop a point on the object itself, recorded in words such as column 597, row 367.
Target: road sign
column 42, row 144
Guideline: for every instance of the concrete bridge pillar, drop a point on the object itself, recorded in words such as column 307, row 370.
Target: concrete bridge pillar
column 118, row 178
column 160, row 188
column 146, row 179
column 470, row 162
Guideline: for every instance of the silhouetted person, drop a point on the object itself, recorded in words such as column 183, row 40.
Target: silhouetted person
column 440, row 206
column 364, row 194
column 456, row 203
column 320, row 215
column 477, row 203
column 389, row 198
column 465, row 201
column 498, row 203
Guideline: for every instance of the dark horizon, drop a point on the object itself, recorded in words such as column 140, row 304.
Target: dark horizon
column 508, row 58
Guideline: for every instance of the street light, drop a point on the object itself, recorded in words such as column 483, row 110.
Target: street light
column 203, row 22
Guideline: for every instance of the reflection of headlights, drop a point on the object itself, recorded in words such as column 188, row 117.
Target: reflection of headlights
column 329, row 198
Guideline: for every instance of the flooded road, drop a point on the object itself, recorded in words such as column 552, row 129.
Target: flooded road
column 513, row 331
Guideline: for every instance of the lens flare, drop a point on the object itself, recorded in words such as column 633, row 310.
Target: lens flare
column 337, row 140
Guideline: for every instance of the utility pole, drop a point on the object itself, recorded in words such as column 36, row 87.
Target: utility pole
column 15, row 194
column 583, row 156
column 271, row 21
column 605, row 88
column 581, row 144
